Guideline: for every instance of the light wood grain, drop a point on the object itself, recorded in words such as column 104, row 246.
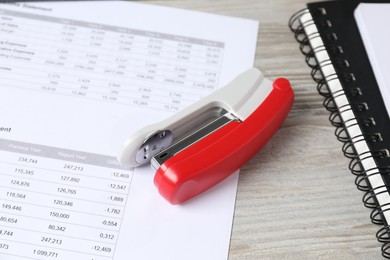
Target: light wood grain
column 296, row 199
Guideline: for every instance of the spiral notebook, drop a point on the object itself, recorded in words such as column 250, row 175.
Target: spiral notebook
column 341, row 41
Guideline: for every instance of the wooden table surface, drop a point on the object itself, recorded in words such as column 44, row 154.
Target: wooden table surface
column 296, row 198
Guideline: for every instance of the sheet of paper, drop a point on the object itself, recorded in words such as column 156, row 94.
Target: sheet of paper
column 373, row 22
column 76, row 79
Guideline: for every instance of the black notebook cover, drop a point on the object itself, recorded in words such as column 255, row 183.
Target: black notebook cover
column 341, row 40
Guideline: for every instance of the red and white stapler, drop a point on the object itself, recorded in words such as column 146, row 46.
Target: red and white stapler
column 206, row 142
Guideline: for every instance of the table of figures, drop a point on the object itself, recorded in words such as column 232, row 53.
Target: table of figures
column 59, row 204
column 104, row 62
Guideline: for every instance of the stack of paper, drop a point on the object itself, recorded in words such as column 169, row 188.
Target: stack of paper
column 76, row 79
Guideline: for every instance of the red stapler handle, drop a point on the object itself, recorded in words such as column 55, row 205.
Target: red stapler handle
column 219, row 154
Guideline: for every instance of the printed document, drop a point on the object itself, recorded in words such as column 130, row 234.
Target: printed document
column 76, row 79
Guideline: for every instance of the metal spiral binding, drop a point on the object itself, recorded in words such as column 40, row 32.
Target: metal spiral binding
column 348, row 146
column 322, row 87
column 331, row 106
column 361, row 183
column 341, row 127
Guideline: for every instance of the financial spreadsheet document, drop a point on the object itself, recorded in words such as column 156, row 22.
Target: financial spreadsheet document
column 76, row 78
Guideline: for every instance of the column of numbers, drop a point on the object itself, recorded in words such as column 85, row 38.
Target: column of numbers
column 72, row 210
